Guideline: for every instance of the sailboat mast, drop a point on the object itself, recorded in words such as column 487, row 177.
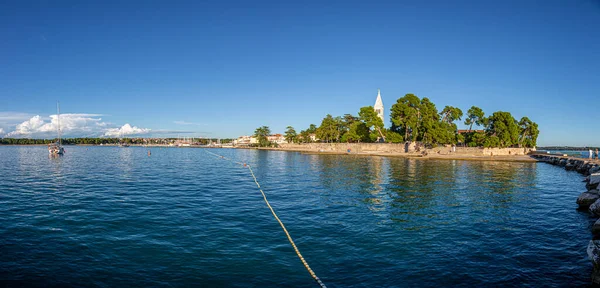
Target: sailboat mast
column 58, row 120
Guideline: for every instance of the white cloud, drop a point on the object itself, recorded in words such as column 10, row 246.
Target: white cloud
column 126, row 130
column 36, row 126
column 71, row 125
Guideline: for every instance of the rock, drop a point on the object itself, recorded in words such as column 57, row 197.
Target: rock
column 595, row 207
column 586, row 199
column 594, row 178
column 562, row 162
column 570, row 166
column 594, row 169
column 593, row 182
column 596, row 227
column 594, row 255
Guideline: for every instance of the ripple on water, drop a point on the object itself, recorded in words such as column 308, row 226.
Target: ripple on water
column 108, row 216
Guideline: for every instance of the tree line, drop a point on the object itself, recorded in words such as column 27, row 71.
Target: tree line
column 417, row 119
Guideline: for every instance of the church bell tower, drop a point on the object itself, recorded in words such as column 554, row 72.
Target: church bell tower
column 379, row 106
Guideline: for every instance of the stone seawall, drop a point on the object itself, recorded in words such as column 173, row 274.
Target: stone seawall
column 589, row 200
column 402, row 148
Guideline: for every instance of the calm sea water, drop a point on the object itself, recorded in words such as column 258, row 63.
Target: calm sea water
column 108, row 216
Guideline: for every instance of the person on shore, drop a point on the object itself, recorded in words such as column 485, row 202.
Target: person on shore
column 597, row 154
column 590, row 153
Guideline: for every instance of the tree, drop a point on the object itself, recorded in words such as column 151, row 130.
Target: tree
column 290, row 134
column 451, row 114
column 261, row 134
column 429, row 128
column 405, row 116
column 504, row 126
column 474, row 116
column 358, row 132
column 393, row 137
column 329, row 129
column 345, row 122
column 372, row 121
column 528, row 133
column 304, row 137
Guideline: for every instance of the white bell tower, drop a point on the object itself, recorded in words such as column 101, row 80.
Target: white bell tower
column 379, row 106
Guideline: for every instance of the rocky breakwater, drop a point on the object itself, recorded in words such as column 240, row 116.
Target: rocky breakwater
column 589, row 200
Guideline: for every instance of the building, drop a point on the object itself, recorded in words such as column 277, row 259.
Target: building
column 249, row 140
column 245, row 140
column 277, row 138
column 379, row 106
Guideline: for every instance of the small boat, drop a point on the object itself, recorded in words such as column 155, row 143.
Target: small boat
column 56, row 149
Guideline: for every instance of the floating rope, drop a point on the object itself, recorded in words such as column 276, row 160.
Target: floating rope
column 276, row 217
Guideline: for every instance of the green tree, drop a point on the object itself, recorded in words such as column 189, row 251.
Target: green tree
column 329, row 129
column 491, row 142
column 429, row 120
column 451, row 114
column 304, row 137
column 528, row 133
column 393, row 137
column 290, row 134
column 261, row 134
column 358, row 132
column 372, row 121
column 474, row 116
column 344, row 124
column 504, row 126
column 405, row 116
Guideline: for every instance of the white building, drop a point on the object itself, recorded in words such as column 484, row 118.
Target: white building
column 249, row 140
column 245, row 140
column 277, row 138
column 379, row 106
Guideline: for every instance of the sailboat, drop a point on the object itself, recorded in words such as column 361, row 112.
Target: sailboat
column 56, row 149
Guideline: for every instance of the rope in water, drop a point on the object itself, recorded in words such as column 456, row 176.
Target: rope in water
column 276, row 217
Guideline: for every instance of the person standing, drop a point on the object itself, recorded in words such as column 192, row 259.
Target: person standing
column 597, row 154
column 591, row 153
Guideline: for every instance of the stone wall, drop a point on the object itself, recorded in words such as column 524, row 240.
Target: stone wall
column 343, row 147
column 401, row 148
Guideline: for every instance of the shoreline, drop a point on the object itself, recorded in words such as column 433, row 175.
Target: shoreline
column 501, row 158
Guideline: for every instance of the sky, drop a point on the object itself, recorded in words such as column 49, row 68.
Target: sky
column 221, row 69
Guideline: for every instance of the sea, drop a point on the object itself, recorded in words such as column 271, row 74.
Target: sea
column 183, row 217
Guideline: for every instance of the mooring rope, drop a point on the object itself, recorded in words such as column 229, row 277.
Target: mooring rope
column 276, row 217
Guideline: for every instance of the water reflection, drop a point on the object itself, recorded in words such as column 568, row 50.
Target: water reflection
column 125, row 163
column 415, row 194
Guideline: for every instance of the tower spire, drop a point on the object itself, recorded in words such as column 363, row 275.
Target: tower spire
column 379, row 105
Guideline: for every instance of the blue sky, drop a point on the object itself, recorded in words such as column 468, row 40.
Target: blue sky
column 223, row 68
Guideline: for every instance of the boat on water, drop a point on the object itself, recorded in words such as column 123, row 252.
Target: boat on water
column 56, row 149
